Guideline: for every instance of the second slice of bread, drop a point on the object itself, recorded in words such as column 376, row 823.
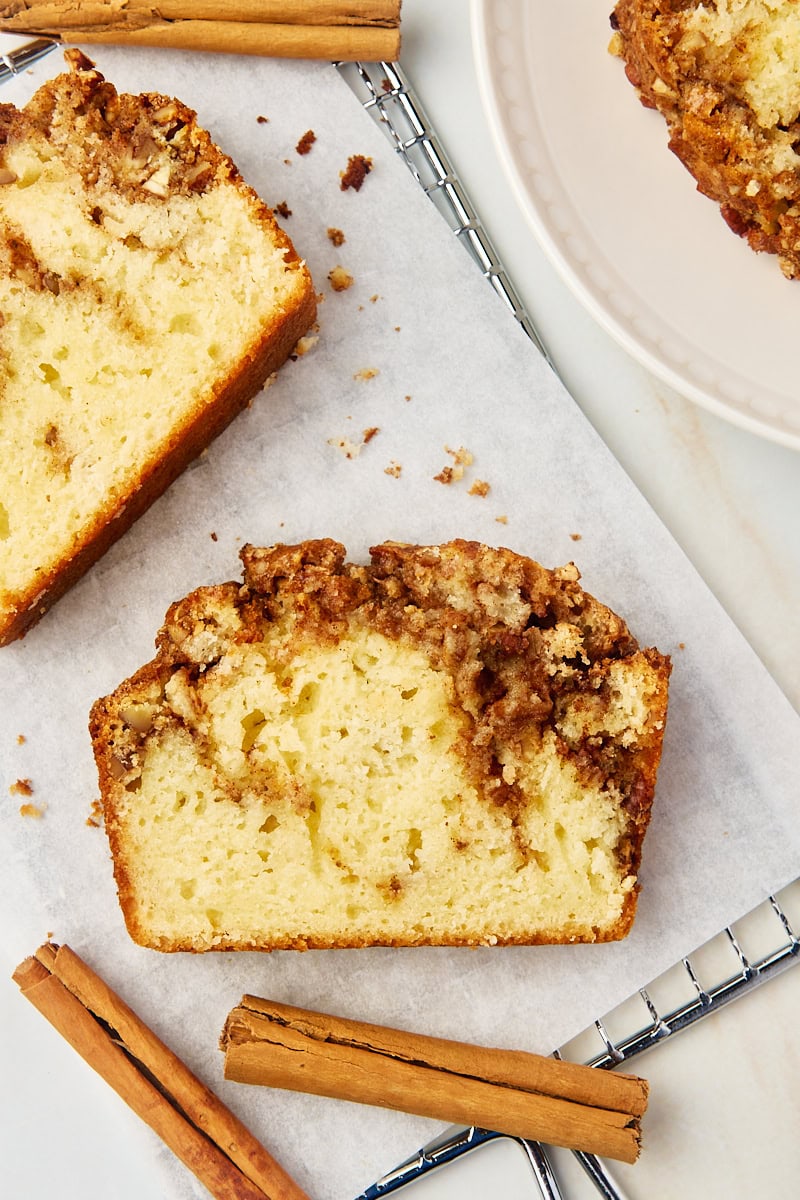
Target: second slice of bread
column 146, row 295
column 449, row 746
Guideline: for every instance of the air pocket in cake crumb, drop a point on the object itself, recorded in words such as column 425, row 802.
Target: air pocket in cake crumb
column 185, row 322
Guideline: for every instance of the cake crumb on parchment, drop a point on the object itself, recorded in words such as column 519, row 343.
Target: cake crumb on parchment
column 95, row 818
column 306, row 142
column 339, row 279
column 31, row 810
column 357, row 170
column 451, row 474
column 479, row 488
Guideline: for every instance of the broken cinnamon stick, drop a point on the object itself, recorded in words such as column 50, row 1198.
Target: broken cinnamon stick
column 153, row 1081
column 337, row 30
column 512, row 1092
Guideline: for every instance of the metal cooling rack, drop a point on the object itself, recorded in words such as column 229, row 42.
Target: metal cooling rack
column 20, row 56
column 385, row 92
column 741, row 957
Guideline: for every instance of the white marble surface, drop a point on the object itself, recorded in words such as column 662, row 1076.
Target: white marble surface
column 725, row 1108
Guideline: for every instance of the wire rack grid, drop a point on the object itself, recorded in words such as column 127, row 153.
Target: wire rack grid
column 740, row 958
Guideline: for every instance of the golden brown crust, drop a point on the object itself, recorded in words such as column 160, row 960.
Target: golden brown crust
column 122, row 142
column 745, row 165
column 526, row 648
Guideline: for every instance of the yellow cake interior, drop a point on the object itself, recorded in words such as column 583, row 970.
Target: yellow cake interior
column 137, row 274
column 300, row 789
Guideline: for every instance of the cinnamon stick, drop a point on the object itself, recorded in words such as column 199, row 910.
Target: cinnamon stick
column 512, row 1092
column 337, row 30
column 153, row 1081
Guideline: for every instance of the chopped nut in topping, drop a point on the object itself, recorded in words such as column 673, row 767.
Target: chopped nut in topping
column 336, row 236
column 158, row 183
column 168, row 112
column 22, row 787
column 138, row 716
column 366, row 373
column 394, row 469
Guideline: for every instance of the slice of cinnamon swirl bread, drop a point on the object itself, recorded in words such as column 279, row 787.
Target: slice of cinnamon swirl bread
column 450, row 746
column 725, row 74
column 146, row 293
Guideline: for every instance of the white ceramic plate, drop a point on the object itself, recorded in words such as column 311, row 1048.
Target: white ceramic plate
column 621, row 219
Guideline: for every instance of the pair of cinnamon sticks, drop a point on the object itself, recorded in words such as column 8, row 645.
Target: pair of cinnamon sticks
column 337, row 30
column 513, row 1092
column 153, row 1081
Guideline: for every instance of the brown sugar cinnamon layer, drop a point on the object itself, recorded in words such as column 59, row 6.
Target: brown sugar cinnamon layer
column 146, row 295
column 726, row 78
column 452, row 745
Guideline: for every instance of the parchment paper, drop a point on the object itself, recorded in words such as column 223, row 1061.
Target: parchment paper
column 453, row 369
